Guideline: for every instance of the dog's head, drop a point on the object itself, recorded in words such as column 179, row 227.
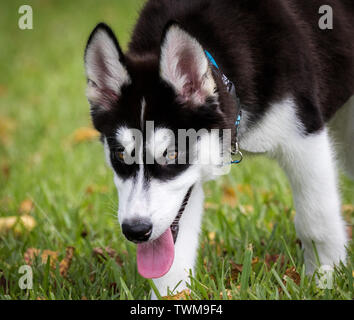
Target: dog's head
column 141, row 104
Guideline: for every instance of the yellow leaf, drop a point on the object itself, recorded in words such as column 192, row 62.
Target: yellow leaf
column 211, row 235
column 85, row 134
column 245, row 188
column 229, row 196
column 348, row 208
column 228, row 294
column 31, row 254
column 183, row 295
column 17, row 223
column 26, row 206
column 210, row 205
column 66, row 262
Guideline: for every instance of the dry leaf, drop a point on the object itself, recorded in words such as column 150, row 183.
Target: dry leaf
column 183, row 295
column 273, row 258
column 26, row 206
column 229, row 196
column 348, row 208
column 31, row 254
column 64, row 265
column 16, row 223
column 103, row 253
column 94, row 188
column 5, row 169
column 292, row 274
column 228, row 294
column 85, row 134
column 211, row 235
column 210, row 205
column 237, row 268
column 246, row 209
column 245, row 188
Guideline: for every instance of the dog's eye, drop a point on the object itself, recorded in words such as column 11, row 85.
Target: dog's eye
column 170, row 156
column 119, row 154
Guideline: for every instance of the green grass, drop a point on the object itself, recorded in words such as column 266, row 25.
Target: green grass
column 42, row 102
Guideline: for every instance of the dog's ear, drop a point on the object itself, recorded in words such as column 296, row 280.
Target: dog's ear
column 184, row 66
column 105, row 69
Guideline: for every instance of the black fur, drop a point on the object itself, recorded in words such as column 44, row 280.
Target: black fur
column 270, row 49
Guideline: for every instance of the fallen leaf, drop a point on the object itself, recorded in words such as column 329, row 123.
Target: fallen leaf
column 237, row 268
column 31, row 254
column 103, row 253
column 64, row 265
column 210, row 205
column 229, row 196
column 348, row 208
column 85, row 134
column 94, row 188
column 17, row 223
column 183, row 295
column 274, row 258
column 83, row 298
column 245, row 188
column 293, row 275
column 26, row 206
column 211, row 235
column 5, row 169
column 246, row 209
column 228, row 294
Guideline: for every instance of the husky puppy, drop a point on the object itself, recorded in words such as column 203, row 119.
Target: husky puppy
column 291, row 78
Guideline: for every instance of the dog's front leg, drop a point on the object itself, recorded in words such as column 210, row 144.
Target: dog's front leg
column 186, row 246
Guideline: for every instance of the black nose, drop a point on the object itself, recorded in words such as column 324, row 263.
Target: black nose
column 137, row 230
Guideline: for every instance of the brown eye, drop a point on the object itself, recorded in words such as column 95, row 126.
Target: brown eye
column 120, row 155
column 172, row 155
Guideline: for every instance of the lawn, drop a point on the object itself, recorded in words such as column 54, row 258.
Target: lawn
column 52, row 169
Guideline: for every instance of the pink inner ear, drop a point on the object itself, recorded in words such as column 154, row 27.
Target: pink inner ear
column 188, row 67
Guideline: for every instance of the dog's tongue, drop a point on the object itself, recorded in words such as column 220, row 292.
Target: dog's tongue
column 155, row 258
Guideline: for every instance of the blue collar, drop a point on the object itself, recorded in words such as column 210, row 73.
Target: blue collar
column 232, row 90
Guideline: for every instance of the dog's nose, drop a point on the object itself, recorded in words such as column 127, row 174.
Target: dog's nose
column 137, row 230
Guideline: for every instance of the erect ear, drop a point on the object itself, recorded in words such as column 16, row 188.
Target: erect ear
column 105, row 70
column 184, row 65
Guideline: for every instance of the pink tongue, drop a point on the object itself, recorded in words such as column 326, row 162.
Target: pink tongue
column 155, row 258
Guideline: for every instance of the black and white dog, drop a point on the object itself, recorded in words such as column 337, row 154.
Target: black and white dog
column 295, row 83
